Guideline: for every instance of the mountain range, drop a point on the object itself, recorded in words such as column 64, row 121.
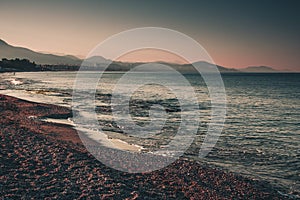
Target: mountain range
column 11, row 52
column 257, row 69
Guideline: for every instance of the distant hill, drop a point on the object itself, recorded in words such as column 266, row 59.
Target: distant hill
column 258, row 69
column 12, row 52
column 94, row 60
column 8, row 51
column 204, row 67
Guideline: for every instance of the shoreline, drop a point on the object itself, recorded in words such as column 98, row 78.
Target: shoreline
column 97, row 136
column 94, row 135
column 36, row 157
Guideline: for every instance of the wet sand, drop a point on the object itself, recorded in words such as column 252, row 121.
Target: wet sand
column 41, row 159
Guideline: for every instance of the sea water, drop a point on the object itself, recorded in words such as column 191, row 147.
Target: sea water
column 261, row 135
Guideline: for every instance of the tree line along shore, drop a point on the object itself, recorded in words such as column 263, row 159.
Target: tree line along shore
column 25, row 65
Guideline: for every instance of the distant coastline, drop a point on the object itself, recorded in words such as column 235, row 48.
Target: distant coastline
column 26, row 60
column 25, row 65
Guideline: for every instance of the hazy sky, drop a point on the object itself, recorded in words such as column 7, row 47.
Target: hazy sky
column 235, row 33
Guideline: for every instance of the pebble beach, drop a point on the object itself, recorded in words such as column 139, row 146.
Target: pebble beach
column 41, row 159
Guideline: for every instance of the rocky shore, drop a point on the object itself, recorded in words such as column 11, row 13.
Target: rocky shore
column 43, row 160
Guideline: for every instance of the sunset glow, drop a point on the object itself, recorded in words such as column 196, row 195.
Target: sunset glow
column 240, row 35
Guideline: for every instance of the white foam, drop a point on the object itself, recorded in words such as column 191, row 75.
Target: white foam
column 98, row 136
column 35, row 97
column 59, row 121
column 15, row 82
column 103, row 139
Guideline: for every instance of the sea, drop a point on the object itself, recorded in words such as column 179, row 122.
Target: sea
column 261, row 134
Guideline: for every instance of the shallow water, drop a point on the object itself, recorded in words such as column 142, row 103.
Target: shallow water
column 261, row 136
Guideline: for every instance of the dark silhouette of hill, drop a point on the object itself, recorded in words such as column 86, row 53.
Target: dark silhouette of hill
column 258, row 69
column 8, row 51
column 206, row 67
column 3, row 42
column 11, row 52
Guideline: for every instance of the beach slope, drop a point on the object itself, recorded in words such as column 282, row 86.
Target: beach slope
column 40, row 159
